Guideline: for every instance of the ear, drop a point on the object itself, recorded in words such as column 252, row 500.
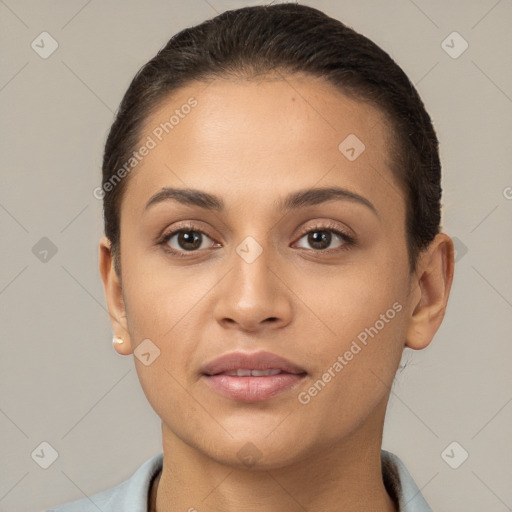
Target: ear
column 114, row 296
column 430, row 289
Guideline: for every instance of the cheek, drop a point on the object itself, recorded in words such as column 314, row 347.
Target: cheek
column 360, row 317
column 345, row 301
column 158, row 294
column 163, row 305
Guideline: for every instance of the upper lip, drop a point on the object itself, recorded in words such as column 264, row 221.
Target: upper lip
column 251, row 361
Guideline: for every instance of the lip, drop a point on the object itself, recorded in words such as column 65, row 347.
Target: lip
column 251, row 388
column 252, row 361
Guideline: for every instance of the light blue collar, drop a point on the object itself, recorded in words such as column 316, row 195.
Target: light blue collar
column 132, row 494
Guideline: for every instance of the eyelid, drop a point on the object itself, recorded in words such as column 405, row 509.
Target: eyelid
column 328, row 226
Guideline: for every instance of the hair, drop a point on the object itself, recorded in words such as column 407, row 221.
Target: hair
column 287, row 38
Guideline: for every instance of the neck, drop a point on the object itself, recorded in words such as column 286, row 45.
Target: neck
column 346, row 477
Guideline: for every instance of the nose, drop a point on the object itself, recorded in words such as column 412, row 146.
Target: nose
column 254, row 295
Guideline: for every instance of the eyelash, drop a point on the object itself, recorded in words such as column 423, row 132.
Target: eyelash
column 348, row 241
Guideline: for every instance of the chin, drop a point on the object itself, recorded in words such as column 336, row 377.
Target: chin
column 258, row 450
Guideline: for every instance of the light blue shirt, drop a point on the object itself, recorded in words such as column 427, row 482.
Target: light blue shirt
column 132, row 494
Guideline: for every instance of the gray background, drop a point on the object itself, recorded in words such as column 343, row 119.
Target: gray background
column 61, row 381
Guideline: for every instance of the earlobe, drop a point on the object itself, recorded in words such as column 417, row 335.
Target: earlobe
column 114, row 297
column 121, row 346
column 433, row 283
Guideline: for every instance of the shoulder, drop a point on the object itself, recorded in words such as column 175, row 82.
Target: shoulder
column 401, row 486
column 128, row 496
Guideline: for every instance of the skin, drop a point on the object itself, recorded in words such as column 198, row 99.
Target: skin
column 251, row 143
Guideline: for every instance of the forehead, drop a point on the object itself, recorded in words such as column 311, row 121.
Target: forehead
column 249, row 140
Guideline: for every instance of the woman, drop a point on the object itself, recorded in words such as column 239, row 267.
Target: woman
column 271, row 190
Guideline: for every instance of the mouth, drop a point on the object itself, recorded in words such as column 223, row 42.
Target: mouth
column 252, row 377
column 245, row 364
column 243, row 372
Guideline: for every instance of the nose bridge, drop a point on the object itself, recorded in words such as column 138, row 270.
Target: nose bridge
column 253, row 279
column 253, row 251
column 252, row 292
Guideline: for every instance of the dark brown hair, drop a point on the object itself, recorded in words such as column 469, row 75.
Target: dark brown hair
column 288, row 38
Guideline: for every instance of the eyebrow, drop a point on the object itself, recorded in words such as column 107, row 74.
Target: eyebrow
column 295, row 200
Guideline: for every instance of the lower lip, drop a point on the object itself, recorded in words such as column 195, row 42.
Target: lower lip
column 253, row 389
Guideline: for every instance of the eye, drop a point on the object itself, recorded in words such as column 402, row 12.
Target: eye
column 187, row 239
column 321, row 237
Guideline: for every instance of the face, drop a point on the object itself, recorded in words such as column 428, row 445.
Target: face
column 322, row 282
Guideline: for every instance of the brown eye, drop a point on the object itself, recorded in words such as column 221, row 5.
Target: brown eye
column 186, row 240
column 321, row 238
